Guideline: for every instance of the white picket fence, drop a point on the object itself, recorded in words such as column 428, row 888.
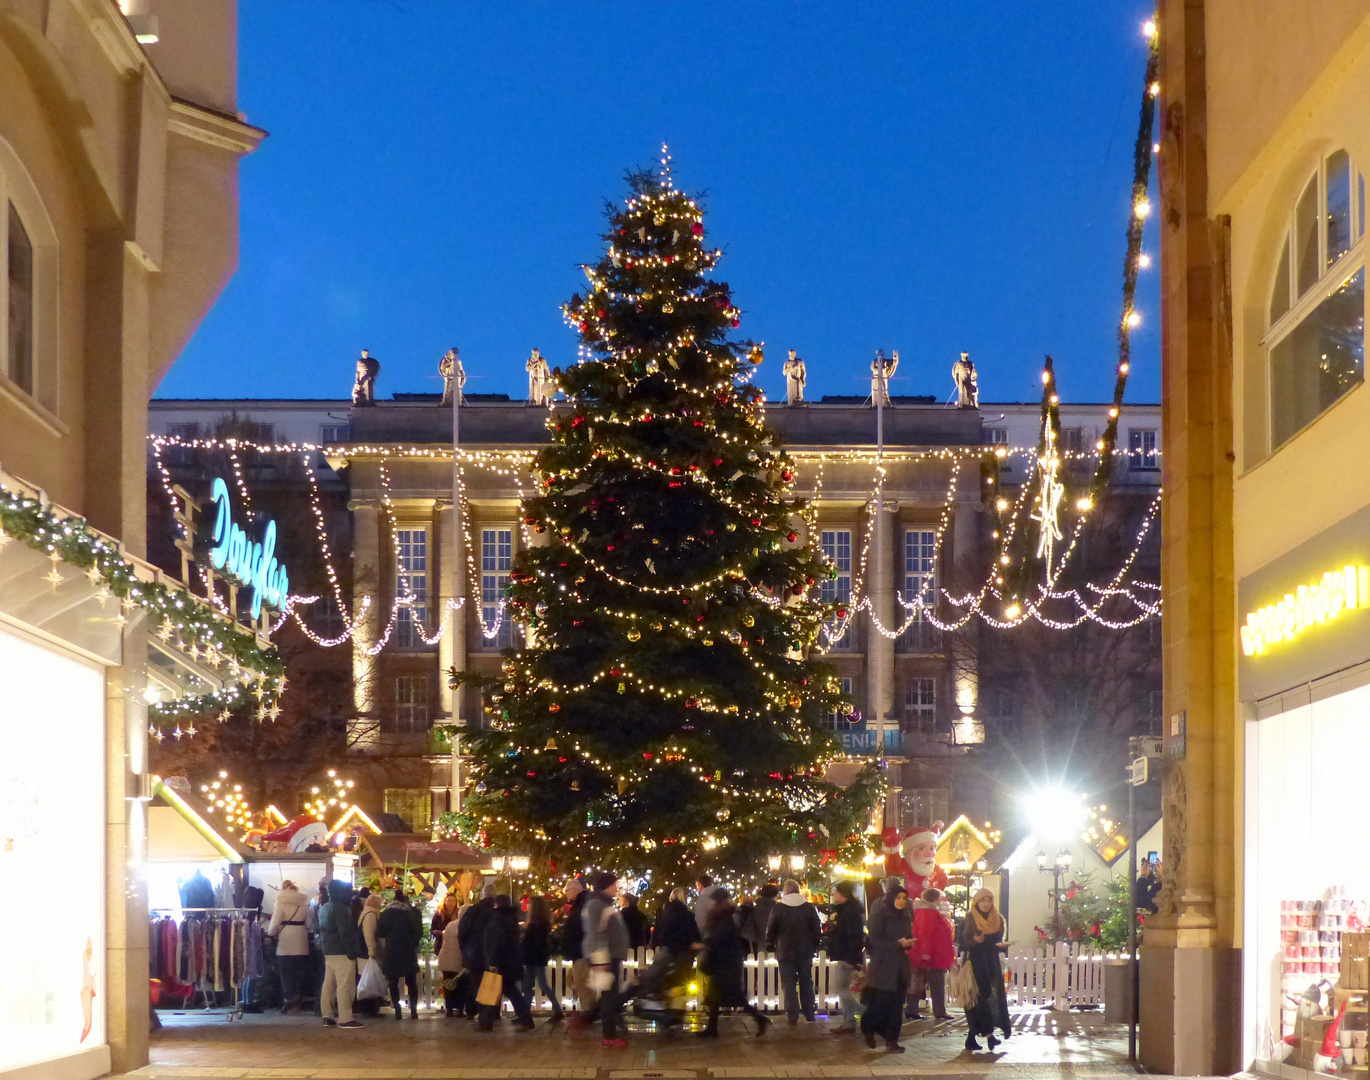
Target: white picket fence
column 1062, row 977
column 762, row 974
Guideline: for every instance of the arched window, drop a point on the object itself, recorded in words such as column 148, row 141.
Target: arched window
column 1316, row 335
column 28, row 288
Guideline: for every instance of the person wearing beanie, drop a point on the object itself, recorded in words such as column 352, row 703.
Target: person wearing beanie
column 847, row 948
column 982, row 938
column 400, row 930
column 932, row 955
column 888, row 973
column 606, row 947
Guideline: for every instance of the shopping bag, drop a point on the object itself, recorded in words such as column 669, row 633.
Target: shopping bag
column 491, row 987
column 858, row 980
column 962, row 989
column 372, row 984
column 600, row 979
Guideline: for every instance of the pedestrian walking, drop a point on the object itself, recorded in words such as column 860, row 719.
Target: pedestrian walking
column 888, row 973
column 673, row 942
column 400, row 930
column 366, row 924
column 982, row 940
column 342, row 946
column 503, row 954
column 450, row 965
column 606, row 947
column 723, row 961
column 471, row 931
column 707, row 894
column 637, row 924
column 537, row 953
column 793, row 935
column 289, row 926
column 572, row 949
column 932, row 955
column 846, row 944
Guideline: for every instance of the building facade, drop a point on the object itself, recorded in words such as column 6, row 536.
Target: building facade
column 427, row 584
column 1264, row 145
column 119, row 151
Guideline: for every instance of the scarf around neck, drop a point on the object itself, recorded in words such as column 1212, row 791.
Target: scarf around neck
column 993, row 923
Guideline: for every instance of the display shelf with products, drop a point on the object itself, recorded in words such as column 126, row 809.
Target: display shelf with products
column 1324, row 975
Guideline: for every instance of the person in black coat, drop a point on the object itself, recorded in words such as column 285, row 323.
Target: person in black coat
column 637, row 923
column 982, row 940
column 723, row 961
column 846, row 942
column 673, row 942
column 537, row 952
column 400, row 932
column 793, row 935
column 471, row 933
column 503, row 953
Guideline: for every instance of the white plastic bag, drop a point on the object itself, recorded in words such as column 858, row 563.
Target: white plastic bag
column 372, row 984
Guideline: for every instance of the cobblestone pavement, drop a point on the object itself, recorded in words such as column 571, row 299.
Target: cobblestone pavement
column 204, row 1045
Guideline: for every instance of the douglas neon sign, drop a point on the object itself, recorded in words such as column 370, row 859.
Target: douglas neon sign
column 251, row 565
column 1321, row 601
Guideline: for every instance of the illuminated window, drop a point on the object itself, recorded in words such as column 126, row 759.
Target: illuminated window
column 411, row 587
column 496, row 560
column 1316, row 314
column 413, row 806
column 411, row 704
column 920, row 581
column 920, row 706
column 837, row 550
column 28, row 287
column 1141, row 448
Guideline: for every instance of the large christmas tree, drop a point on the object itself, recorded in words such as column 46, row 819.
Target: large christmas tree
column 664, row 716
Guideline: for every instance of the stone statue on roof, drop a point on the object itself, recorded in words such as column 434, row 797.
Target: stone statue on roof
column 796, row 375
column 364, row 388
column 967, row 385
column 453, row 375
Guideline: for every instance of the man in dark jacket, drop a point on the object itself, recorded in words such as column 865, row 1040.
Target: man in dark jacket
column 572, row 948
column 504, row 954
column 636, row 923
column 341, row 944
column 761, row 915
column 673, row 943
column 471, row 933
column 793, row 935
column 400, row 930
column 847, row 947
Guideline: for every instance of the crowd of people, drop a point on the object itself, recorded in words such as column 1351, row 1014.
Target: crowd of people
column 491, row 950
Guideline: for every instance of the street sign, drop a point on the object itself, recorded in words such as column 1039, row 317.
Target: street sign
column 1152, row 746
column 1137, row 773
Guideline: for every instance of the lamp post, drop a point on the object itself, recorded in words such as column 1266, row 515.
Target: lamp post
column 773, row 863
column 1059, row 866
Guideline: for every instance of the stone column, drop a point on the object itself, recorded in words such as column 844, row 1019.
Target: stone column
column 452, row 586
column 366, row 585
column 963, row 645
column 1190, row 1010
column 880, row 589
column 126, row 1001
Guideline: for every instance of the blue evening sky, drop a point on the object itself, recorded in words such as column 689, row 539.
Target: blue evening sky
column 927, row 178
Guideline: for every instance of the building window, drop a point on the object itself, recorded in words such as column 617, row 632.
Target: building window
column 994, row 436
column 181, row 457
column 921, row 807
column 1073, row 440
column 1141, row 448
column 28, row 286
column 837, row 550
column 411, row 587
column 411, row 704
column 920, row 706
column 330, row 434
column 836, row 720
column 413, row 806
column 1316, row 313
column 920, row 582
column 325, row 617
column 496, row 560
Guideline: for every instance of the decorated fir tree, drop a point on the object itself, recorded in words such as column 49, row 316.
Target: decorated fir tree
column 665, row 716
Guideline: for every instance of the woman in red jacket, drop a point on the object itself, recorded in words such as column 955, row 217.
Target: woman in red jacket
column 932, row 955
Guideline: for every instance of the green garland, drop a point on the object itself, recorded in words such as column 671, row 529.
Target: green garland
column 73, row 541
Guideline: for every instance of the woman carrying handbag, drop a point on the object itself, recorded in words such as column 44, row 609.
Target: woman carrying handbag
column 982, row 941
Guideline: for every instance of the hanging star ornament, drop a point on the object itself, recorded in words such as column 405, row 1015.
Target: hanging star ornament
column 1048, row 501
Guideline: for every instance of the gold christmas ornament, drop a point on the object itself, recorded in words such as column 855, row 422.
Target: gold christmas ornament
column 748, row 620
column 634, row 634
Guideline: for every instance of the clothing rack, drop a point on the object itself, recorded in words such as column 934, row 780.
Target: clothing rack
column 250, row 917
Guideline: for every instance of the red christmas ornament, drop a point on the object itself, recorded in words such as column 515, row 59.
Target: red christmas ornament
column 697, row 228
column 737, row 323
column 792, row 537
column 718, row 461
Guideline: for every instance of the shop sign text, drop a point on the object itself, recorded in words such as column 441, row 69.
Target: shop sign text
column 1336, row 592
column 252, row 565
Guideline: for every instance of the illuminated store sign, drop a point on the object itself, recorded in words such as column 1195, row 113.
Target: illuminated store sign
column 252, row 565
column 1336, row 592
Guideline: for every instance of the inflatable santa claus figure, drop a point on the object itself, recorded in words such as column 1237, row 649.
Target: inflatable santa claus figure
column 914, row 858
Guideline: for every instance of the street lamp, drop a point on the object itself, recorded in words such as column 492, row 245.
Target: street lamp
column 773, row 862
column 1059, row 865
column 797, row 863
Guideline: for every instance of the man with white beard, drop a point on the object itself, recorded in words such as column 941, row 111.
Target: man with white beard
column 913, row 858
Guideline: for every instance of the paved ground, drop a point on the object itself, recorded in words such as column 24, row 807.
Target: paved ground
column 433, row 1047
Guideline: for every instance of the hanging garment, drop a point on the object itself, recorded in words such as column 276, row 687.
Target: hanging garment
column 256, row 955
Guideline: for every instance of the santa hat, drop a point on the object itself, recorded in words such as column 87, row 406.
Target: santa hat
column 921, row 835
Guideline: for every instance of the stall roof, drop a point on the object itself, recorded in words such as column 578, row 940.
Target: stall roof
column 415, row 851
column 168, row 840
